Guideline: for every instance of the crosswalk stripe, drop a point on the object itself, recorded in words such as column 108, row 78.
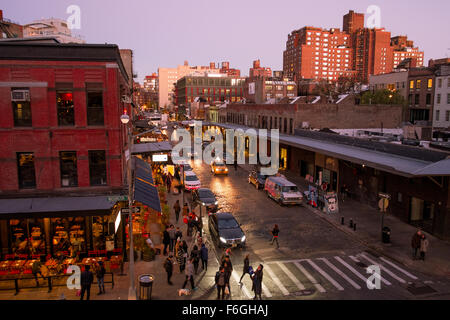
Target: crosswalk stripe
column 383, row 268
column 359, row 275
column 398, row 268
column 339, row 272
column 266, row 291
column 276, row 280
column 291, row 276
column 325, row 275
column 244, row 288
column 309, row 276
column 382, row 279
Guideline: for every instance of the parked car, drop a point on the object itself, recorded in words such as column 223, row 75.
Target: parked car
column 257, row 179
column 225, row 230
column 219, row 167
column 191, row 182
column 282, row 190
column 186, row 166
column 205, row 197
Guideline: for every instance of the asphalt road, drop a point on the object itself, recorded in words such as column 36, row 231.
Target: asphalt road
column 314, row 261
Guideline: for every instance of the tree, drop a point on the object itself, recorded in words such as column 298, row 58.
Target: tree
column 382, row 97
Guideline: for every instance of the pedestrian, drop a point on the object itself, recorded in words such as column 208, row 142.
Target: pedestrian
column 275, row 232
column 226, row 253
column 169, row 182
column 204, row 256
column 246, row 267
column 228, row 269
column 221, row 280
column 87, row 277
column 166, row 240
column 36, row 269
column 257, row 282
column 178, row 233
column 423, row 246
column 189, row 274
column 415, row 243
column 100, row 274
column 177, row 209
column 180, row 257
column 172, row 237
column 195, row 256
column 168, row 266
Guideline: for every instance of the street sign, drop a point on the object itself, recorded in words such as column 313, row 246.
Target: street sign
column 383, row 204
column 117, row 198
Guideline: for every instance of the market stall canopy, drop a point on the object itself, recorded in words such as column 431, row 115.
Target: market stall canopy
column 145, row 190
column 55, row 207
column 164, row 146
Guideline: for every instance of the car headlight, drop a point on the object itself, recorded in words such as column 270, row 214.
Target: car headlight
column 223, row 240
column 216, row 203
column 243, row 238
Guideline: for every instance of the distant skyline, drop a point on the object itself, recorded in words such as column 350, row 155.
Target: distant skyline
column 165, row 33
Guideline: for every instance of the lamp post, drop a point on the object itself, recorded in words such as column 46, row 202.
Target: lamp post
column 132, row 290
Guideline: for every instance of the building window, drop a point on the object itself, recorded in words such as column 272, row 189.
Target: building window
column 66, row 114
column 95, row 115
column 22, row 113
column 26, row 170
column 97, row 167
column 430, row 83
column 439, row 83
column 448, row 98
column 438, row 98
column 68, row 165
column 437, row 115
column 411, row 84
column 418, row 82
column 447, row 115
column 428, row 98
column 416, row 99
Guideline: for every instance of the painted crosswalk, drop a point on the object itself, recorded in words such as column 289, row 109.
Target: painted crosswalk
column 325, row 274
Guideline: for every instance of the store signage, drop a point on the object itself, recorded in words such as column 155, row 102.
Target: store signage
column 159, row 158
column 117, row 198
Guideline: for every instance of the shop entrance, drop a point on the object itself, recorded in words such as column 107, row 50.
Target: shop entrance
column 283, row 159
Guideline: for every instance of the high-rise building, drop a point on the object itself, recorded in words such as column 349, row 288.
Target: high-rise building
column 352, row 22
column 258, row 71
column 404, row 49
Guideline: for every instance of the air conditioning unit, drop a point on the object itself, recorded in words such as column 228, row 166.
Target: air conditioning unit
column 20, row 95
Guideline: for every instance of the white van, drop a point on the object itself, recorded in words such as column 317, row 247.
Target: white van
column 191, row 182
column 282, row 190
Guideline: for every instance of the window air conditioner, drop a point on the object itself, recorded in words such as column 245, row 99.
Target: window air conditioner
column 20, row 95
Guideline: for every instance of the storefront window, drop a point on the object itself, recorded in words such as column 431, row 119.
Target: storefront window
column 69, row 235
column 27, row 176
column 99, row 225
column 18, row 229
column 27, row 236
column 66, row 113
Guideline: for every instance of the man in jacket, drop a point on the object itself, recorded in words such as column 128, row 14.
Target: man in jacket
column 36, row 269
column 168, row 266
column 204, row 256
column 423, row 247
column 166, row 240
column 189, row 274
column 86, row 280
column 221, row 280
column 415, row 243
column 275, row 232
column 172, row 237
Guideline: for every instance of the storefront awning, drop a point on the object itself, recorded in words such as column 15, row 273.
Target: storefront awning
column 163, row 146
column 145, row 190
column 55, row 207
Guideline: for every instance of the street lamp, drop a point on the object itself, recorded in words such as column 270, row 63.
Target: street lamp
column 125, row 119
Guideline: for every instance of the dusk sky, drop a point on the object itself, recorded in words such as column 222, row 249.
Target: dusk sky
column 164, row 33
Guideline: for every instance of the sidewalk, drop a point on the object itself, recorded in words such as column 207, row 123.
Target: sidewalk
column 368, row 225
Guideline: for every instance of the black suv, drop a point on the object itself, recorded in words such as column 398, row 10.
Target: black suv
column 205, row 197
column 225, row 230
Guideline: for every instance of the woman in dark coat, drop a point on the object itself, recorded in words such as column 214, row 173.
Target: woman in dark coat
column 257, row 282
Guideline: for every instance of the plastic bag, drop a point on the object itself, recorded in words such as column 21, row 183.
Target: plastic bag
column 78, row 292
column 227, row 291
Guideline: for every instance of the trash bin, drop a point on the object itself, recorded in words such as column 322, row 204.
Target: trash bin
column 145, row 286
column 386, row 235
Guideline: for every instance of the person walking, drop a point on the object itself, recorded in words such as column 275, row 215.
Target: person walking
column 195, row 256
column 189, row 274
column 177, row 209
column 221, row 280
column 169, row 182
column 100, row 274
column 178, row 233
column 257, row 282
column 172, row 237
column 36, row 269
column 166, row 240
column 246, row 267
column 227, row 265
column 275, row 232
column 204, row 256
column 415, row 243
column 168, row 266
column 180, row 256
column 87, row 277
column 423, row 246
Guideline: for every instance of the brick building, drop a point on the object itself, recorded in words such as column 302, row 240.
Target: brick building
column 225, row 69
column 262, row 89
column 258, row 71
column 62, row 142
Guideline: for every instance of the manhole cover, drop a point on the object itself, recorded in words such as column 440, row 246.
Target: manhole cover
column 420, row 290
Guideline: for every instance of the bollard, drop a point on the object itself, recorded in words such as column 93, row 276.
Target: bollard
column 49, row 284
column 351, row 223
column 342, row 220
column 354, row 227
column 16, row 285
